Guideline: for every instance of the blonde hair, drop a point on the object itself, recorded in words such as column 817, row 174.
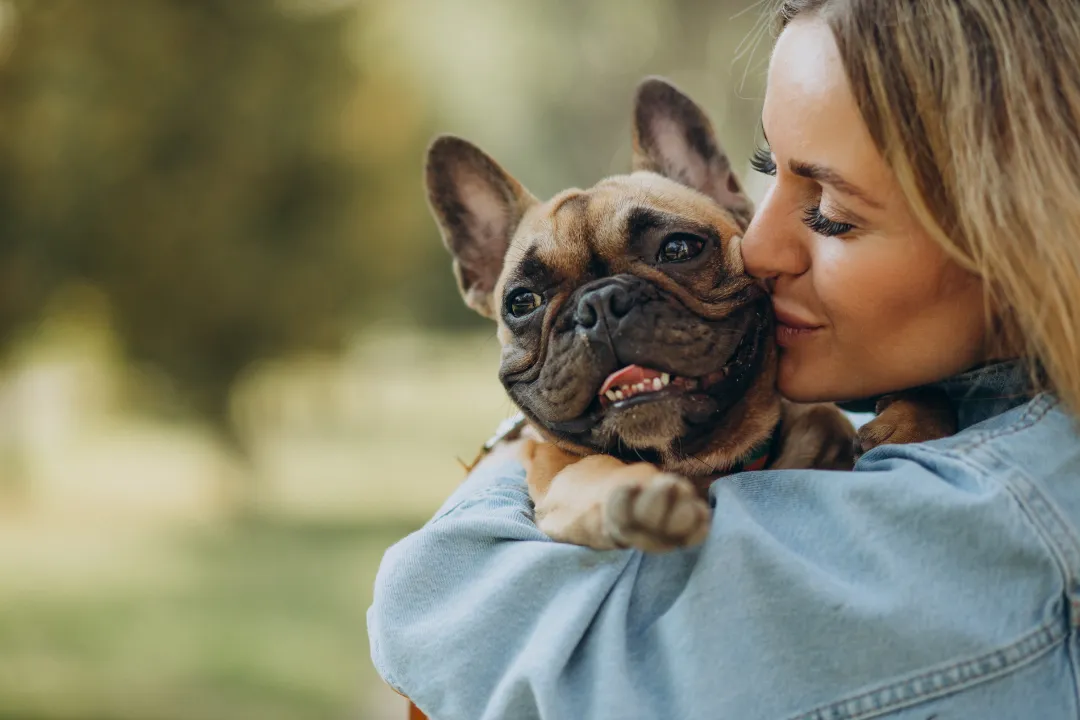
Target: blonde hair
column 975, row 104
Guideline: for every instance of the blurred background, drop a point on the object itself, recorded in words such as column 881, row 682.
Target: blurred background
column 234, row 367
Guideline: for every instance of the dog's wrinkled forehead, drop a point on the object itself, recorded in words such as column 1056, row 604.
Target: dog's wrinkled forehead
column 591, row 233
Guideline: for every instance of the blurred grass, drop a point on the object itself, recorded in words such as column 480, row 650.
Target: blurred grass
column 127, row 593
column 258, row 620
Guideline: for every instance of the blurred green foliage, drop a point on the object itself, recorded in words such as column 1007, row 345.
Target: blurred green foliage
column 241, row 179
column 242, row 182
column 195, row 160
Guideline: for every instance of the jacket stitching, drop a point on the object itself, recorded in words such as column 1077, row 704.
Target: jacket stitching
column 1036, row 409
column 1041, row 511
column 1044, row 514
column 951, row 678
column 931, row 684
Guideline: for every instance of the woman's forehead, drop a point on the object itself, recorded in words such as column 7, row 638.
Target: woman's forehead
column 806, row 59
column 807, row 92
column 810, row 114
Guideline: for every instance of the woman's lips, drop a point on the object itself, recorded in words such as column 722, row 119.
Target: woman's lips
column 792, row 326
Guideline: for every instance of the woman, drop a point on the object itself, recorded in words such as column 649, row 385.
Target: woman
column 925, row 221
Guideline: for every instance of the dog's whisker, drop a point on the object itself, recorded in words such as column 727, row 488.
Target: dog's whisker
column 707, row 467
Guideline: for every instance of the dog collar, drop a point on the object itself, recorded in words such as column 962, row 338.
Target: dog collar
column 758, row 458
column 509, row 429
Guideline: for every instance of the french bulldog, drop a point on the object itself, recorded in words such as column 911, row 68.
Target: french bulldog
column 640, row 353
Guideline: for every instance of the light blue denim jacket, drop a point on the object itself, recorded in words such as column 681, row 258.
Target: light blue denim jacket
column 939, row 580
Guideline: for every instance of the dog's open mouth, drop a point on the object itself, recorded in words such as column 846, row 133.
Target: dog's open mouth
column 634, row 381
column 636, row 384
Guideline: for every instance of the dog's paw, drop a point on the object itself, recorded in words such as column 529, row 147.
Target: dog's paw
column 910, row 416
column 659, row 514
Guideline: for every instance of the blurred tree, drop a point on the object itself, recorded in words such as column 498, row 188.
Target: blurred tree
column 215, row 167
column 241, row 179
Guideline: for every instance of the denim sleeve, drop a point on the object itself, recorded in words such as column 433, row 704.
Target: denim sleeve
column 911, row 577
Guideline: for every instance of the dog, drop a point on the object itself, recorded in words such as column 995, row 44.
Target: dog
column 640, row 353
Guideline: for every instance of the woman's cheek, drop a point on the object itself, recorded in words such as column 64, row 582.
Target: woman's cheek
column 838, row 284
column 864, row 285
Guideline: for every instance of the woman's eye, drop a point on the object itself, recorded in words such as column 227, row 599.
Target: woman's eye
column 823, row 225
column 680, row 247
column 762, row 161
column 522, row 302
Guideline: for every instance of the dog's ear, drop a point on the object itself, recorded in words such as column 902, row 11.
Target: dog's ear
column 478, row 207
column 673, row 137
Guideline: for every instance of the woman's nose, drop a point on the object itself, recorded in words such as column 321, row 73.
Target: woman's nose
column 774, row 242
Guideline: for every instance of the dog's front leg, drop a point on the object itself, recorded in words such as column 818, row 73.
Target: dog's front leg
column 814, row 436
column 603, row 503
column 908, row 416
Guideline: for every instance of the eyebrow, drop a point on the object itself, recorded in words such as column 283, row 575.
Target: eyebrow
column 640, row 220
column 828, row 176
column 533, row 272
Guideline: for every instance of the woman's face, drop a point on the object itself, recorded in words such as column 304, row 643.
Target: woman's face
column 865, row 301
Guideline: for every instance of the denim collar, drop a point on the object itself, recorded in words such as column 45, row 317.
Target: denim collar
column 978, row 394
column 988, row 390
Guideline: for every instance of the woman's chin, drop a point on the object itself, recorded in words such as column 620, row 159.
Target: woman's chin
column 801, row 382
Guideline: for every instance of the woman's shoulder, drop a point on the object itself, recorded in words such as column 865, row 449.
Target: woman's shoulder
column 1030, row 452
column 952, row 559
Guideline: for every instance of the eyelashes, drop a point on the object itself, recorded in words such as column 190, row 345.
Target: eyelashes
column 762, row 161
column 823, row 225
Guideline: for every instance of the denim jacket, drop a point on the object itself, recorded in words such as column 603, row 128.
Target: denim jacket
column 938, row 580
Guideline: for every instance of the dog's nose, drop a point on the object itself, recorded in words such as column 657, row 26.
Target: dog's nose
column 611, row 300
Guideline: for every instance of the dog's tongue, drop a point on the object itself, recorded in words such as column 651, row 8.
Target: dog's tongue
column 629, row 375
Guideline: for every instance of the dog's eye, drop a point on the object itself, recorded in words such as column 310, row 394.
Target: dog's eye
column 680, row 247
column 522, row 302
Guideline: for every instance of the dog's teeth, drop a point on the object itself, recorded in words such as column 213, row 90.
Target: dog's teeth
column 640, row 387
column 665, row 379
column 611, row 395
column 726, row 370
column 619, row 395
column 656, row 384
